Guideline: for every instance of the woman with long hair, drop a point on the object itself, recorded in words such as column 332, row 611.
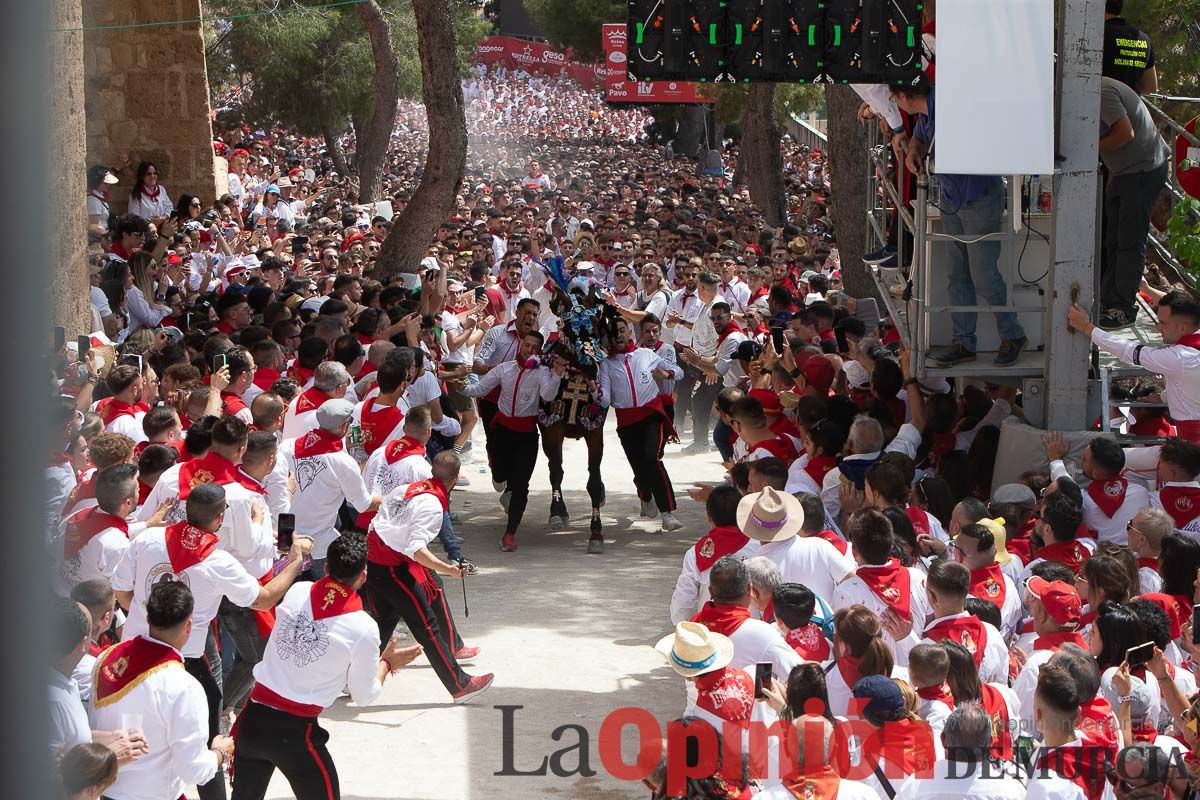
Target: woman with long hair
column 804, row 694
column 932, row 495
column 1113, row 632
column 140, row 298
column 1103, row 577
column 1178, row 563
column 188, row 209
column 858, row 650
column 86, row 771
column 1000, row 702
column 149, row 200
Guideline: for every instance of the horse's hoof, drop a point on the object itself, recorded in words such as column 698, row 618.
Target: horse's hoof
column 596, row 545
column 595, row 526
column 558, row 521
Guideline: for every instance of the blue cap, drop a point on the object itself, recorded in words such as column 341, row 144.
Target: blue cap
column 272, row 188
column 885, row 701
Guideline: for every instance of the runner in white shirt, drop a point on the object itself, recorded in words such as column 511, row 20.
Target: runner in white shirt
column 724, row 538
column 975, row 548
column 323, row 643
column 1110, row 500
column 967, row 741
column 93, row 541
column 326, row 476
column 733, row 289
column 123, row 411
column 330, row 381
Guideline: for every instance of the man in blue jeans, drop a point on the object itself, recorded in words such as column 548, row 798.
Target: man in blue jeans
column 971, row 205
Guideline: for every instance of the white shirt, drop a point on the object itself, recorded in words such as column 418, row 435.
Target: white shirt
column 847, row 790
column 1108, row 529
column 146, row 208
column 1151, row 581
column 217, row 576
column 1025, row 685
column 689, row 305
column 381, row 477
column 666, row 386
column 992, row 669
column 512, row 298
column 757, row 642
column 297, row 424
column 407, row 526
column 68, row 720
column 96, row 559
column 728, row 367
column 704, row 334
column 691, row 589
column 627, row 379
column 131, row 426
column 975, row 786
column 1053, row 787
column 251, row 543
column 813, row 562
column 853, row 591
column 281, row 211
column 736, row 293
column 174, row 715
column 311, row 661
column 60, row 481
column 498, row 345
column 521, row 390
column 141, row 313
column 1179, row 366
column 323, row 483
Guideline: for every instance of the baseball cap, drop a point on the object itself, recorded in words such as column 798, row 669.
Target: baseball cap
column 333, row 414
column 885, row 701
column 1060, row 600
column 819, row 372
column 272, row 188
column 769, row 400
column 856, row 375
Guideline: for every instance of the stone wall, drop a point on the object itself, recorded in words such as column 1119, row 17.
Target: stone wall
column 66, row 170
column 147, row 94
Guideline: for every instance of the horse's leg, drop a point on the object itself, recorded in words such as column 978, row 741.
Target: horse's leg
column 595, row 487
column 552, row 446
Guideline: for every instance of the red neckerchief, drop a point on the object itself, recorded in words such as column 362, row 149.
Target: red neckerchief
column 152, row 194
column 225, row 327
column 847, row 667
column 809, row 642
column 84, row 490
column 1099, row 725
column 988, row 584
column 118, row 250
column 722, row 619
column 511, row 293
column 123, row 666
column 724, row 540
column 364, row 340
column 110, row 409
column 212, row 468
column 403, row 447
column 993, row 702
column 966, row 630
column 841, row 544
column 331, row 599
column 891, row 583
column 908, row 744
column 265, row 378
column 818, row 467
column 1053, row 641
column 1181, row 502
column 431, row 486
column 311, row 400
column 731, row 327
column 629, row 347
column 1071, row 553
column 1080, row 764
column 232, row 403
column 757, row 293
column 726, row 693
column 1148, row 563
column 144, row 491
column 1153, row 426
column 301, row 375
column 628, row 291
column 816, row 785
column 250, row 483
column 377, row 423
column 780, row 446
column 1108, row 495
column 941, row 444
column 940, row 692
column 1192, row 340
column 188, row 545
column 86, row 525
column 920, row 520
column 319, row 442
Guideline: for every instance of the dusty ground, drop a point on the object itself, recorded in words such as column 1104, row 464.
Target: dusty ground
column 568, row 635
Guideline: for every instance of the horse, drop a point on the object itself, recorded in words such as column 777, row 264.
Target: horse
column 576, row 413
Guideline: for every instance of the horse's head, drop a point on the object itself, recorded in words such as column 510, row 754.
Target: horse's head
column 584, row 321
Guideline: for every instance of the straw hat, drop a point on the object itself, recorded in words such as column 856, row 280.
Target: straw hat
column 694, row 650
column 770, row 515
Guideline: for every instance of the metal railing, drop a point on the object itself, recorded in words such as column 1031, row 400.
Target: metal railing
column 804, row 133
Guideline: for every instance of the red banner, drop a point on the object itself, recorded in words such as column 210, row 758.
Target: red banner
column 623, row 90
column 535, row 57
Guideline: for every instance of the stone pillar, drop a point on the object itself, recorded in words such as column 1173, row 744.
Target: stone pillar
column 66, row 171
column 147, row 94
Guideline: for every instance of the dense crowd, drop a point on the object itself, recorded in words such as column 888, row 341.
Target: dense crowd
column 258, row 440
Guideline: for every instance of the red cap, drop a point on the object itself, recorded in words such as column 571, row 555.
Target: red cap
column 769, row 400
column 819, row 373
column 1060, row 600
column 241, row 151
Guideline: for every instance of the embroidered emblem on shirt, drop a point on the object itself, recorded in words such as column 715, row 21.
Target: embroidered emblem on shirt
column 302, row 639
column 307, row 470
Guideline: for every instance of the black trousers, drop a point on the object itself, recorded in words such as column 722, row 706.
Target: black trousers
column 392, row 594
column 487, row 410
column 695, row 393
column 514, row 462
column 199, row 669
column 269, row 739
column 1127, row 206
column 248, row 644
column 644, row 442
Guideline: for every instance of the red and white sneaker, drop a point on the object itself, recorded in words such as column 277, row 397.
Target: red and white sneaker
column 466, row 654
column 477, row 685
column 508, row 543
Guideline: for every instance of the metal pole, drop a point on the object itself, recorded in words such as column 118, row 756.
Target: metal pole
column 920, row 326
column 1074, row 248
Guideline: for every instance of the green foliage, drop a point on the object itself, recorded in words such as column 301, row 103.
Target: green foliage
column 306, row 67
column 576, row 23
column 730, row 99
column 1183, row 234
column 1174, row 30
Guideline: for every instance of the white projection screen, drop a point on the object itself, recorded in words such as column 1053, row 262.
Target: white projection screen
column 994, row 104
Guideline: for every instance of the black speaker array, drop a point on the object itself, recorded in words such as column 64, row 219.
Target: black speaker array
column 781, row 41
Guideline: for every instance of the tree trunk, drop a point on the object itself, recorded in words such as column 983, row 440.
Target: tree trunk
column 760, row 161
column 335, row 150
column 376, row 135
column 446, row 158
column 847, row 147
